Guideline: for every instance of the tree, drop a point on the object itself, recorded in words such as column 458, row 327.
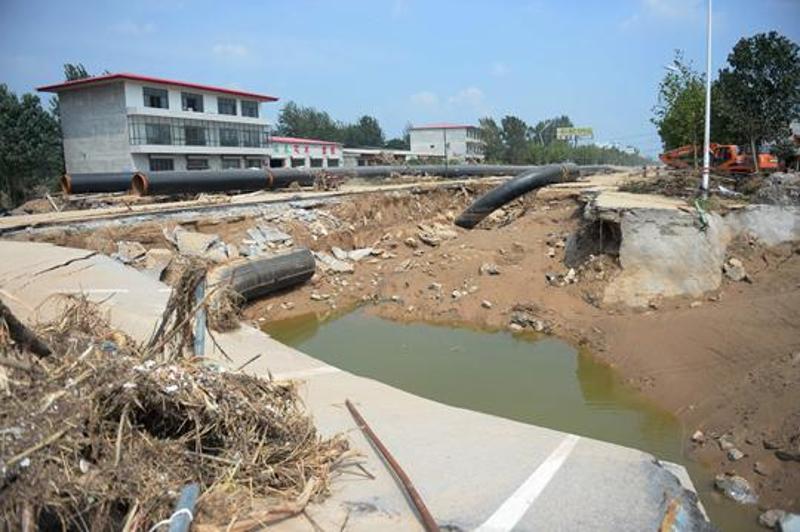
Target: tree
column 366, row 132
column 492, row 136
column 680, row 112
column 760, row 89
column 397, row 144
column 306, row 122
column 30, row 146
column 75, row 71
column 515, row 139
column 544, row 132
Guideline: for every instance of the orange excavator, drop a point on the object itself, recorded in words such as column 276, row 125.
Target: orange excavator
column 725, row 158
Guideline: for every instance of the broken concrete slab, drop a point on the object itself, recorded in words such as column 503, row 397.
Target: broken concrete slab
column 129, row 252
column 667, row 248
column 329, row 263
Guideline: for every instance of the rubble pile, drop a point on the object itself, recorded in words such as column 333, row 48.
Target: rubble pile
column 104, row 433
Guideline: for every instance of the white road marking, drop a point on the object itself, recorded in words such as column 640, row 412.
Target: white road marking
column 511, row 511
column 305, row 373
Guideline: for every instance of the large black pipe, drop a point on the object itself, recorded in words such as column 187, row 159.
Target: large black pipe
column 499, row 196
column 189, row 181
column 176, row 182
column 96, row 182
column 253, row 278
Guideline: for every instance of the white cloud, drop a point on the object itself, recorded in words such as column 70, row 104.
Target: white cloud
column 425, row 99
column 230, row 50
column 499, row 69
column 133, row 28
column 469, row 97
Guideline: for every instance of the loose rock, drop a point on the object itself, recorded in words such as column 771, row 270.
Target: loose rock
column 735, row 488
column 770, row 518
column 734, row 270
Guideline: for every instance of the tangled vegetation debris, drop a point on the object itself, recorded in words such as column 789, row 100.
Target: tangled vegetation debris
column 103, row 433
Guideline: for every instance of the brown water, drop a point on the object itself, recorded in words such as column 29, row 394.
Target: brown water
column 543, row 381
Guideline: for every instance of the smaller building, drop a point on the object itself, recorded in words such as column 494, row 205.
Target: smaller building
column 293, row 152
column 458, row 142
column 375, row 156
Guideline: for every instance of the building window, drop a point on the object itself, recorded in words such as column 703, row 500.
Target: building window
column 158, row 134
column 277, row 163
column 196, row 163
column 195, row 136
column 192, row 102
column 250, row 108
column 161, row 164
column 226, row 106
column 250, row 138
column 298, row 162
column 228, row 137
column 190, row 132
column 229, row 163
column 333, row 163
column 253, row 163
column 156, row 98
column 316, row 163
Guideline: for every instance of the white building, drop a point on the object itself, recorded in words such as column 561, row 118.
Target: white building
column 304, row 153
column 375, row 156
column 454, row 141
column 127, row 122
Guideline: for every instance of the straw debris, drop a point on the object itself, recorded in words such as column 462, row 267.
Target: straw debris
column 104, row 433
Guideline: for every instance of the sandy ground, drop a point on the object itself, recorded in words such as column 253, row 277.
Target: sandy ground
column 727, row 365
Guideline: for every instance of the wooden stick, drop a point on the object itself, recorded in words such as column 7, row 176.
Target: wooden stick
column 30, row 450
column 425, row 516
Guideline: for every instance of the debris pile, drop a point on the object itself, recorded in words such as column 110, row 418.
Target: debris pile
column 104, row 433
column 780, row 188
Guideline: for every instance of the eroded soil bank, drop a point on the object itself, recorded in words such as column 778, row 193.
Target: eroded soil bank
column 727, row 364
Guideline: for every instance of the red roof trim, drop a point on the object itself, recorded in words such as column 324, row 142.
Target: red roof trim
column 148, row 79
column 445, row 126
column 296, row 140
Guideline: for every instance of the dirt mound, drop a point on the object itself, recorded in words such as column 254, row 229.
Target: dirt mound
column 103, row 433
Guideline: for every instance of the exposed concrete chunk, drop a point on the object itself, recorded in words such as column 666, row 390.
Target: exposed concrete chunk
column 770, row 224
column 664, row 253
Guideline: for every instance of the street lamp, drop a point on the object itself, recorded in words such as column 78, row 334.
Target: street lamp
column 707, row 134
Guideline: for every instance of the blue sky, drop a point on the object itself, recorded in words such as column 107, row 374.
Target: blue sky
column 400, row 60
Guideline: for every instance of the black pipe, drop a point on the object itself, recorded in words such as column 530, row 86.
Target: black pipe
column 499, row 196
column 175, row 182
column 256, row 277
column 96, row 182
column 189, row 181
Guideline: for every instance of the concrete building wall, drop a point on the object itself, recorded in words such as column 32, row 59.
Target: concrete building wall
column 323, row 155
column 430, row 142
column 95, row 129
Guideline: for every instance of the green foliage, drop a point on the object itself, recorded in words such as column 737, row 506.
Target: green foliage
column 760, row 89
column 30, row 147
column 680, row 112
column 515, row 139
column 75, row 71
column 544, row 132
column 366, row 132
column 308, row 122
column 559, row 151
column 494, row 150
column 397, row 144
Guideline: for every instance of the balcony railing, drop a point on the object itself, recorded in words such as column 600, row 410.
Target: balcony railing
column 186, row 132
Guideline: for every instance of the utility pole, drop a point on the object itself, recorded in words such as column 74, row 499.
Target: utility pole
column 707, row 136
